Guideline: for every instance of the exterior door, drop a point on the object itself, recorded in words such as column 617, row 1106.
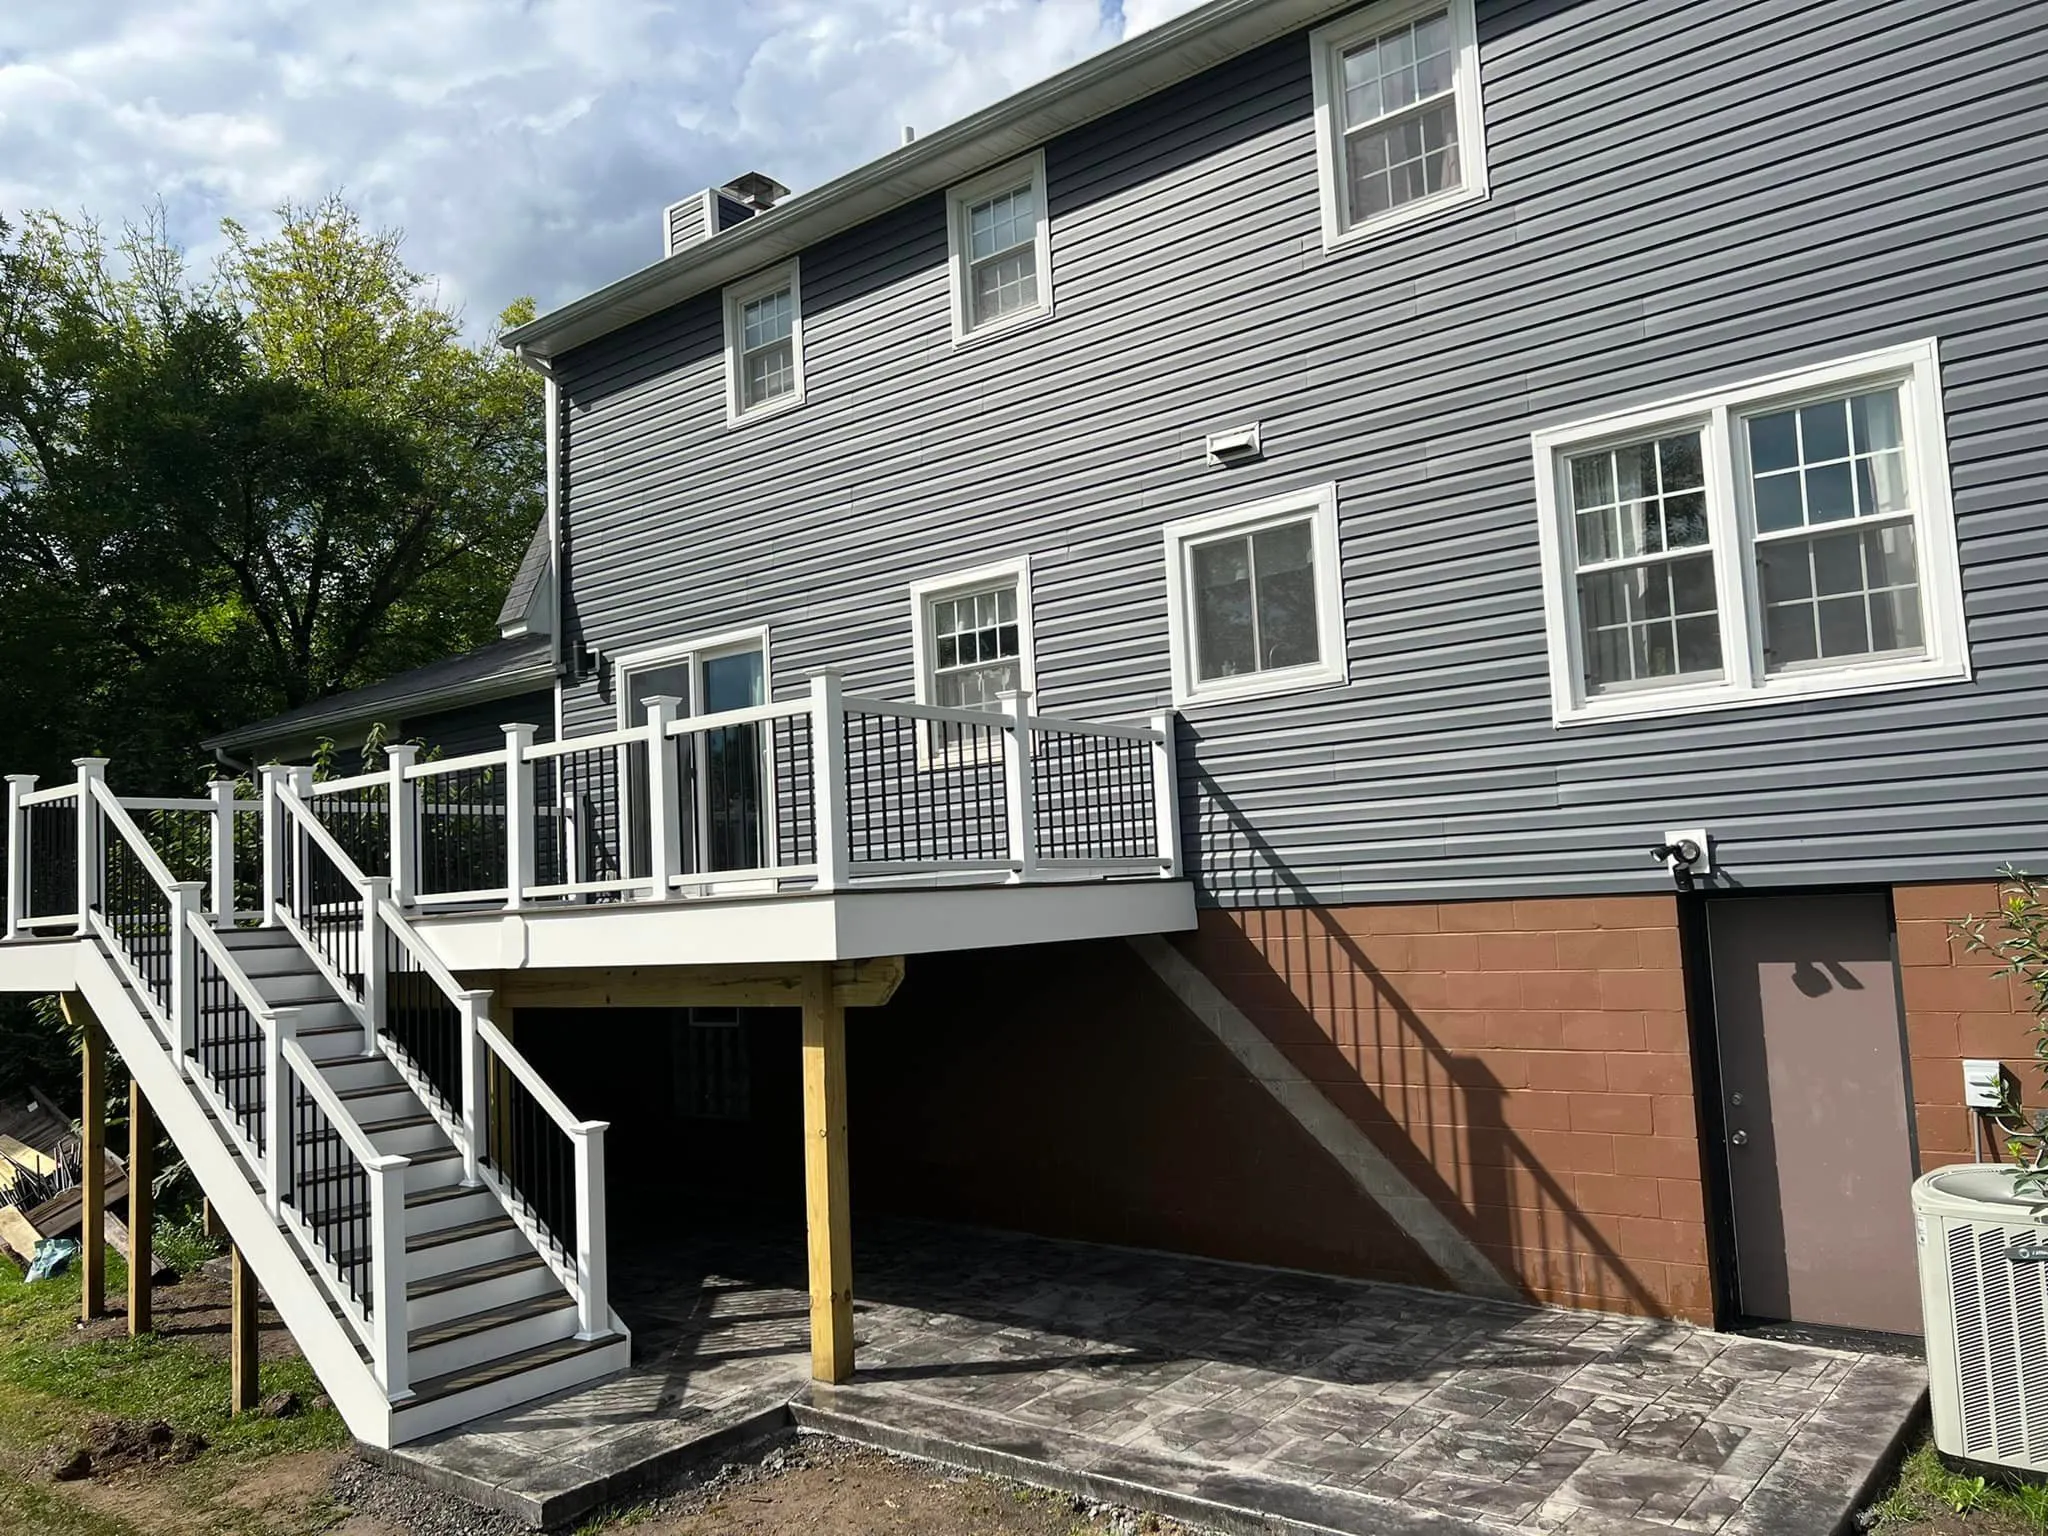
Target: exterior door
column 1814, row 1110
column 731, row 798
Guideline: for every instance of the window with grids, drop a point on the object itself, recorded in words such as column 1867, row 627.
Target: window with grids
column 1794, row 537
column 999, row 248
column 1398, row 114
column 764, row 343
column 977, row 646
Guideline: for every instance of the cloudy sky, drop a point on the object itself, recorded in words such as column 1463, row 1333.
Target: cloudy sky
column 526, row 146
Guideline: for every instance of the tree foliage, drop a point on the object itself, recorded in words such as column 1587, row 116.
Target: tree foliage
column 224, row 495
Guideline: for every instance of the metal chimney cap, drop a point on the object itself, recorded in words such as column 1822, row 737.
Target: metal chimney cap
column 756, row 191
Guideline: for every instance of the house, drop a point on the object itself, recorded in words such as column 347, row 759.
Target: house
column 1374, row 638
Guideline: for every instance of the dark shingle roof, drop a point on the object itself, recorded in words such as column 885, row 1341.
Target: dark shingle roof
column 501, row 667
column 533, row 565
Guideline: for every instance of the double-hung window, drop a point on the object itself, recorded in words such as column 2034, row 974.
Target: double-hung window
column 1001, row 252
column 1254, row 599
column 973, row 633
column 1792, row 537
column 1400, row 132
column 764, row 343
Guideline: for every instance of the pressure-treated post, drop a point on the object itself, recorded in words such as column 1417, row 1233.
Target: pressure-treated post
column 1166, row 795
column 828, row 779
column 92, row 1156
column 242, row 1392
column 664, row 797
column 376, row 967
column 519, row 864
column 387, row 1273
column 19, row 785
column 405, row 825
column 91, row 771
column 141, row 1208
column 475, row 1105
column 1019, row 792
column 271, row 777
column 186, row 899
column 221, row 895
column 593, row 1312
column 828, row 1217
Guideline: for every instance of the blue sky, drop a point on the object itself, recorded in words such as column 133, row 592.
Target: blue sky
column 524, row 147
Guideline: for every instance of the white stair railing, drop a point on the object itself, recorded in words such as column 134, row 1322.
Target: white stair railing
column 514, row 1133
column 317, row 1169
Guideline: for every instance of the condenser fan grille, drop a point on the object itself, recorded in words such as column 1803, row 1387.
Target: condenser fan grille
column 2000, row 1313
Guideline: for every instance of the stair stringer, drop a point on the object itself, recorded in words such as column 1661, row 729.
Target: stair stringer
column 299, row 1300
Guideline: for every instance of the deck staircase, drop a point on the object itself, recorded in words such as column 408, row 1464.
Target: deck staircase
column 420, row 1209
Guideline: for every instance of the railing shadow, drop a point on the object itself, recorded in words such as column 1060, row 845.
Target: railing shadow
column 1444, row 1118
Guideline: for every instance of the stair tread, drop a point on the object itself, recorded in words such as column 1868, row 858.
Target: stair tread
column 488, row 1226
column 497, row 1370
column 475, row 1274
column 431, row 1155
column 373, row 1090
column 394, row 1123
column 491, row 1317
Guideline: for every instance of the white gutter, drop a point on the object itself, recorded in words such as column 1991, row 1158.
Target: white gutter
column 1149, row 62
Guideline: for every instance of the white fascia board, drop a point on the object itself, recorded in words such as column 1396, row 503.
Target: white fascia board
column 40, row 967
column 1150, row 62
column 801, row 929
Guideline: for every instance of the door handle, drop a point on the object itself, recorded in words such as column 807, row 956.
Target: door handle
column 1739, row 1139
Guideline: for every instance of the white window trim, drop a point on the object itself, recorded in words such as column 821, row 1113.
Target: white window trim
column 1326, row 47
column 922, row 593
column 740, row 294
column 1319, row 502
column 959, row 199
column 627, row 662
column 1916, row 368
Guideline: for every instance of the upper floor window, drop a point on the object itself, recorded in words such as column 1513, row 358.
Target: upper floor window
column 1001, row 254
column 1793, row 537
column 973, row 636
column 1399, row 130
column 764, row 343
column 1255, row 600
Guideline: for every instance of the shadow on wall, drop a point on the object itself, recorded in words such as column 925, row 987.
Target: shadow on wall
column 1446, row 1119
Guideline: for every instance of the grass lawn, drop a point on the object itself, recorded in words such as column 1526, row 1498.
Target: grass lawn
column 256, row 1477
column 1929, row 1499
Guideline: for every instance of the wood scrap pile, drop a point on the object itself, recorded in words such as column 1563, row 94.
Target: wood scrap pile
column 41, row 1179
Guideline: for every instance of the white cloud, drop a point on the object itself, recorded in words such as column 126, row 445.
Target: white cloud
column 525, row 147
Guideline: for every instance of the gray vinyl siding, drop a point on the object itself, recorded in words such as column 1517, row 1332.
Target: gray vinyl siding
column 1685, row 195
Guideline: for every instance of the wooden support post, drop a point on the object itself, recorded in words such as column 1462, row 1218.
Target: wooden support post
column 141, row 1208
column 92, row 1177
column 242, row 1390
column 825, row 1179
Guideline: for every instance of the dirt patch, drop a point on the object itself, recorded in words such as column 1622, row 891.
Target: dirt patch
column 111, row 1446
column 196, row 1310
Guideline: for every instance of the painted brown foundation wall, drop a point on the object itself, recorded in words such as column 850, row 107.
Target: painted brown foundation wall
column 1956, row 1009
column 1526, row 1063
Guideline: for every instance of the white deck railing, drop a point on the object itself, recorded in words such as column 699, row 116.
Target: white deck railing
column 825, row 793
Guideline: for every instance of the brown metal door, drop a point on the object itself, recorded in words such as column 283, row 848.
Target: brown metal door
column 1813, row 1084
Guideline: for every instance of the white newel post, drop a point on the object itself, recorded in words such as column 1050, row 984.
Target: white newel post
column 518, row 812
column 387, row 1272
column 187, row 902
column 300, row 896
column 1166, row 795
column 1019, row 792
column 593, row 1311
column 18, row 786
column 405, row 826
column 91, row 869
column 664, row 797
column 272, row 777
column 222, row 894
column 376, row 891
column 475, row 1106
column 828, row 779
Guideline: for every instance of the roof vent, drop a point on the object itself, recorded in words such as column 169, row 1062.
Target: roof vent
column 758, row 192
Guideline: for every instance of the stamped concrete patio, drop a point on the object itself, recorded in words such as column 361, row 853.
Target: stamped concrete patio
column 1227, row 1396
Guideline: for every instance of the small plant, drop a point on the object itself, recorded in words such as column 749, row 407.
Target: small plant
column 1966, row 1493
column 2018, row 937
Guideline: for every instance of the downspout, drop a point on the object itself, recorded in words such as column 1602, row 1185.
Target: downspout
column 552, row 435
